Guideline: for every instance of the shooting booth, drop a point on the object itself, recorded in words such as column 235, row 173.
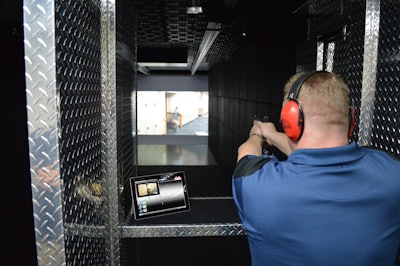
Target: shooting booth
column 81, row 74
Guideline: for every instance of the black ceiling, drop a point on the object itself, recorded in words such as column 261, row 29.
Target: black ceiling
column 166, row 33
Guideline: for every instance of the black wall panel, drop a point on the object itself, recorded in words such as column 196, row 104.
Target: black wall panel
column 306, row 55
column 250, row 84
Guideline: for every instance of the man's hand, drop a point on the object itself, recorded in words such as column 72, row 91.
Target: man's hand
column 266, row 129
column 253, row 145
column 273, row 137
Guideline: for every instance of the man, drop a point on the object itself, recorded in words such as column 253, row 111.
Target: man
column 175, row 120
column 331, row 202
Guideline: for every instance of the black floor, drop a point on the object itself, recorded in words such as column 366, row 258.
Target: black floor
column 189, row 251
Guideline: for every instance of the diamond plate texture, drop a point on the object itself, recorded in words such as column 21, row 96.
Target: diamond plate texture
column 43, row 117
column 72, row 129
column 386, row 126
column 109, row 131
column 125, row 79
column 349, row 56
column 183, row 230
column 79, row 81
column 372, row 17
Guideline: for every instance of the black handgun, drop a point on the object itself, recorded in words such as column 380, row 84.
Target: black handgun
column 265, row 145
column 264, row 118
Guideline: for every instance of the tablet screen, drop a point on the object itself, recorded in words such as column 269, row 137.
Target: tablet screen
column 159, row 194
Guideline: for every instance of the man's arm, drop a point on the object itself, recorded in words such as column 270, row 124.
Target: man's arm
column 274, row 138
column 253, row 145
column 260, row 132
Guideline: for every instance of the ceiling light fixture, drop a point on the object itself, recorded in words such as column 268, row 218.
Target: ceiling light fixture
column 194, row 7
column 209, row 37
column 193, row 10
column 163, row 64
column 143, row 69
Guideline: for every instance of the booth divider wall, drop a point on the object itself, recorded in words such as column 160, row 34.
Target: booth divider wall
column 80, row 84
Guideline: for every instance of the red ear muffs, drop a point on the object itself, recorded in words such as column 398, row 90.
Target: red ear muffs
column 352, row 121
column 292, row 119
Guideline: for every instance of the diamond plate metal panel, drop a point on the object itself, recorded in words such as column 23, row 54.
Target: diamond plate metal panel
column 320, row 56
column 83, row 254
column 372, row 20
column 184, row 230
column 349, row 56
column 109, row 131
column 386, row 127
column 43, row 118
column 79, row 82
column 126, row 78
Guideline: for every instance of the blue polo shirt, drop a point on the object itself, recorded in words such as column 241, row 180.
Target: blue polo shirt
column 335, row 206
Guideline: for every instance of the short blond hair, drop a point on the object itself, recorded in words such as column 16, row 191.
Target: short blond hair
column 323, row 94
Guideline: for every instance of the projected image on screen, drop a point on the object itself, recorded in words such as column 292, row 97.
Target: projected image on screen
column 159, row 194
column 147, row 189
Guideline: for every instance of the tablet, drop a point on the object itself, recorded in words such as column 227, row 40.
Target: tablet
column 159, row 194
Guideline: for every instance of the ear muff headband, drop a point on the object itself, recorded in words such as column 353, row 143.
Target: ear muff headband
column 292, row 116
column 295, row 89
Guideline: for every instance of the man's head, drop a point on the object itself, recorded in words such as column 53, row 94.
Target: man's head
column 316, row 102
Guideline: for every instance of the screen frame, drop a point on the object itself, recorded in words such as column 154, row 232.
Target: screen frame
column 159, row 179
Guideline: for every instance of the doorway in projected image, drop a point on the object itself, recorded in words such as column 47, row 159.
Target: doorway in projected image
column 172, row 113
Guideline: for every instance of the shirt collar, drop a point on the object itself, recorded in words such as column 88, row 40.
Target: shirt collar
column 326, row 156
